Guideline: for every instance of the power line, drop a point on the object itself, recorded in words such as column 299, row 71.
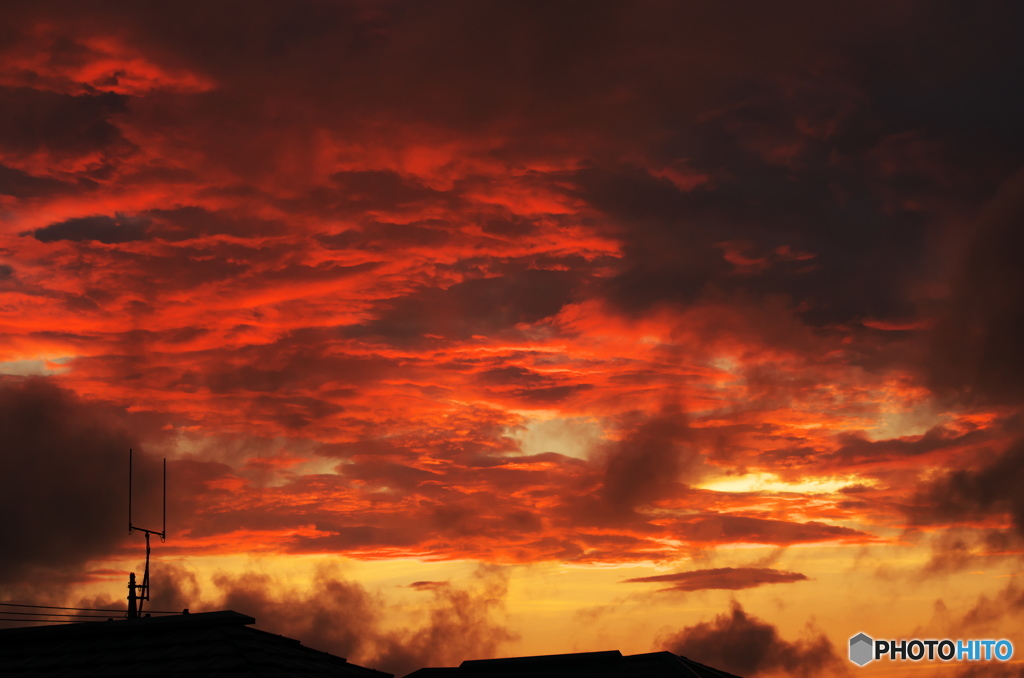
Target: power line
column 80, row 609
column 49, row 621
column 56, row 614
column 83, row 609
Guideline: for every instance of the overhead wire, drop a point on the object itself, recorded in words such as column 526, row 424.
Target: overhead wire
column 4, row 619
column 80, row 609
column 55, row 614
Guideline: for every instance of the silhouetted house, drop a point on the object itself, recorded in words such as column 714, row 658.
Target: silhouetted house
column 609, row 664
column 199, row 645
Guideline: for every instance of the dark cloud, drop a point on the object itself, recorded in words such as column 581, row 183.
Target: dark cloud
column 652, row 461
column 107, row 230
column 734, row 529
column 63, row 476
column 384, row 472
column 819, row 188
column 21, row 184
column 857, row 450
column 515, row 375
column 33, row 121
column 291, row 412
column 990, row 488
column 977, row 359
column 482, row 306
column 747, row 646
column 551, row 395
column 729, row 578
column 359, row 192
column 978, row 351
column 385, row 236
column 184, row 223
column 461, row 624
column 989, row 613
column 342, row 617
column 762, row 228
column 529, row 385
column 288, row 366
column 356, row 537
column 427, row 584
column 989, row 617
column 173, row 587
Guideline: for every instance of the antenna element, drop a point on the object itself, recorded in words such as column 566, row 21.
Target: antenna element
column 138, row 593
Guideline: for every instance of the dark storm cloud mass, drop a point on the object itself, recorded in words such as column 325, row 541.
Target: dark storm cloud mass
column 841, row 173
column 977, row 358
column 854, row 262
column 63, row 473
column 820, row 228
column 747, row 646
column 797, row 166
column 978, row 351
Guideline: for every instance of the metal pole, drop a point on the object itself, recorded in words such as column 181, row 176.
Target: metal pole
column 133, row 612
column 129, row 490
column 163, row 536
column 144, row 594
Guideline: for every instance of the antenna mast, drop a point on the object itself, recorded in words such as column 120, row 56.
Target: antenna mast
column 139, row 593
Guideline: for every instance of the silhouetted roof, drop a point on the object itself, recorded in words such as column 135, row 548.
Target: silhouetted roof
column 199, row 645
column 610, row 664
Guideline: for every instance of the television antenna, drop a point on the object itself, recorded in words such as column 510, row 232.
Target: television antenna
column 139, row 593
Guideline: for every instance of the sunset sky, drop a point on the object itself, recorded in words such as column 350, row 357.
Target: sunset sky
column 474, row 329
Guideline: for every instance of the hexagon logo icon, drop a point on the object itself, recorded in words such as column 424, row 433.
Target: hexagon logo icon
column 860, row 649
